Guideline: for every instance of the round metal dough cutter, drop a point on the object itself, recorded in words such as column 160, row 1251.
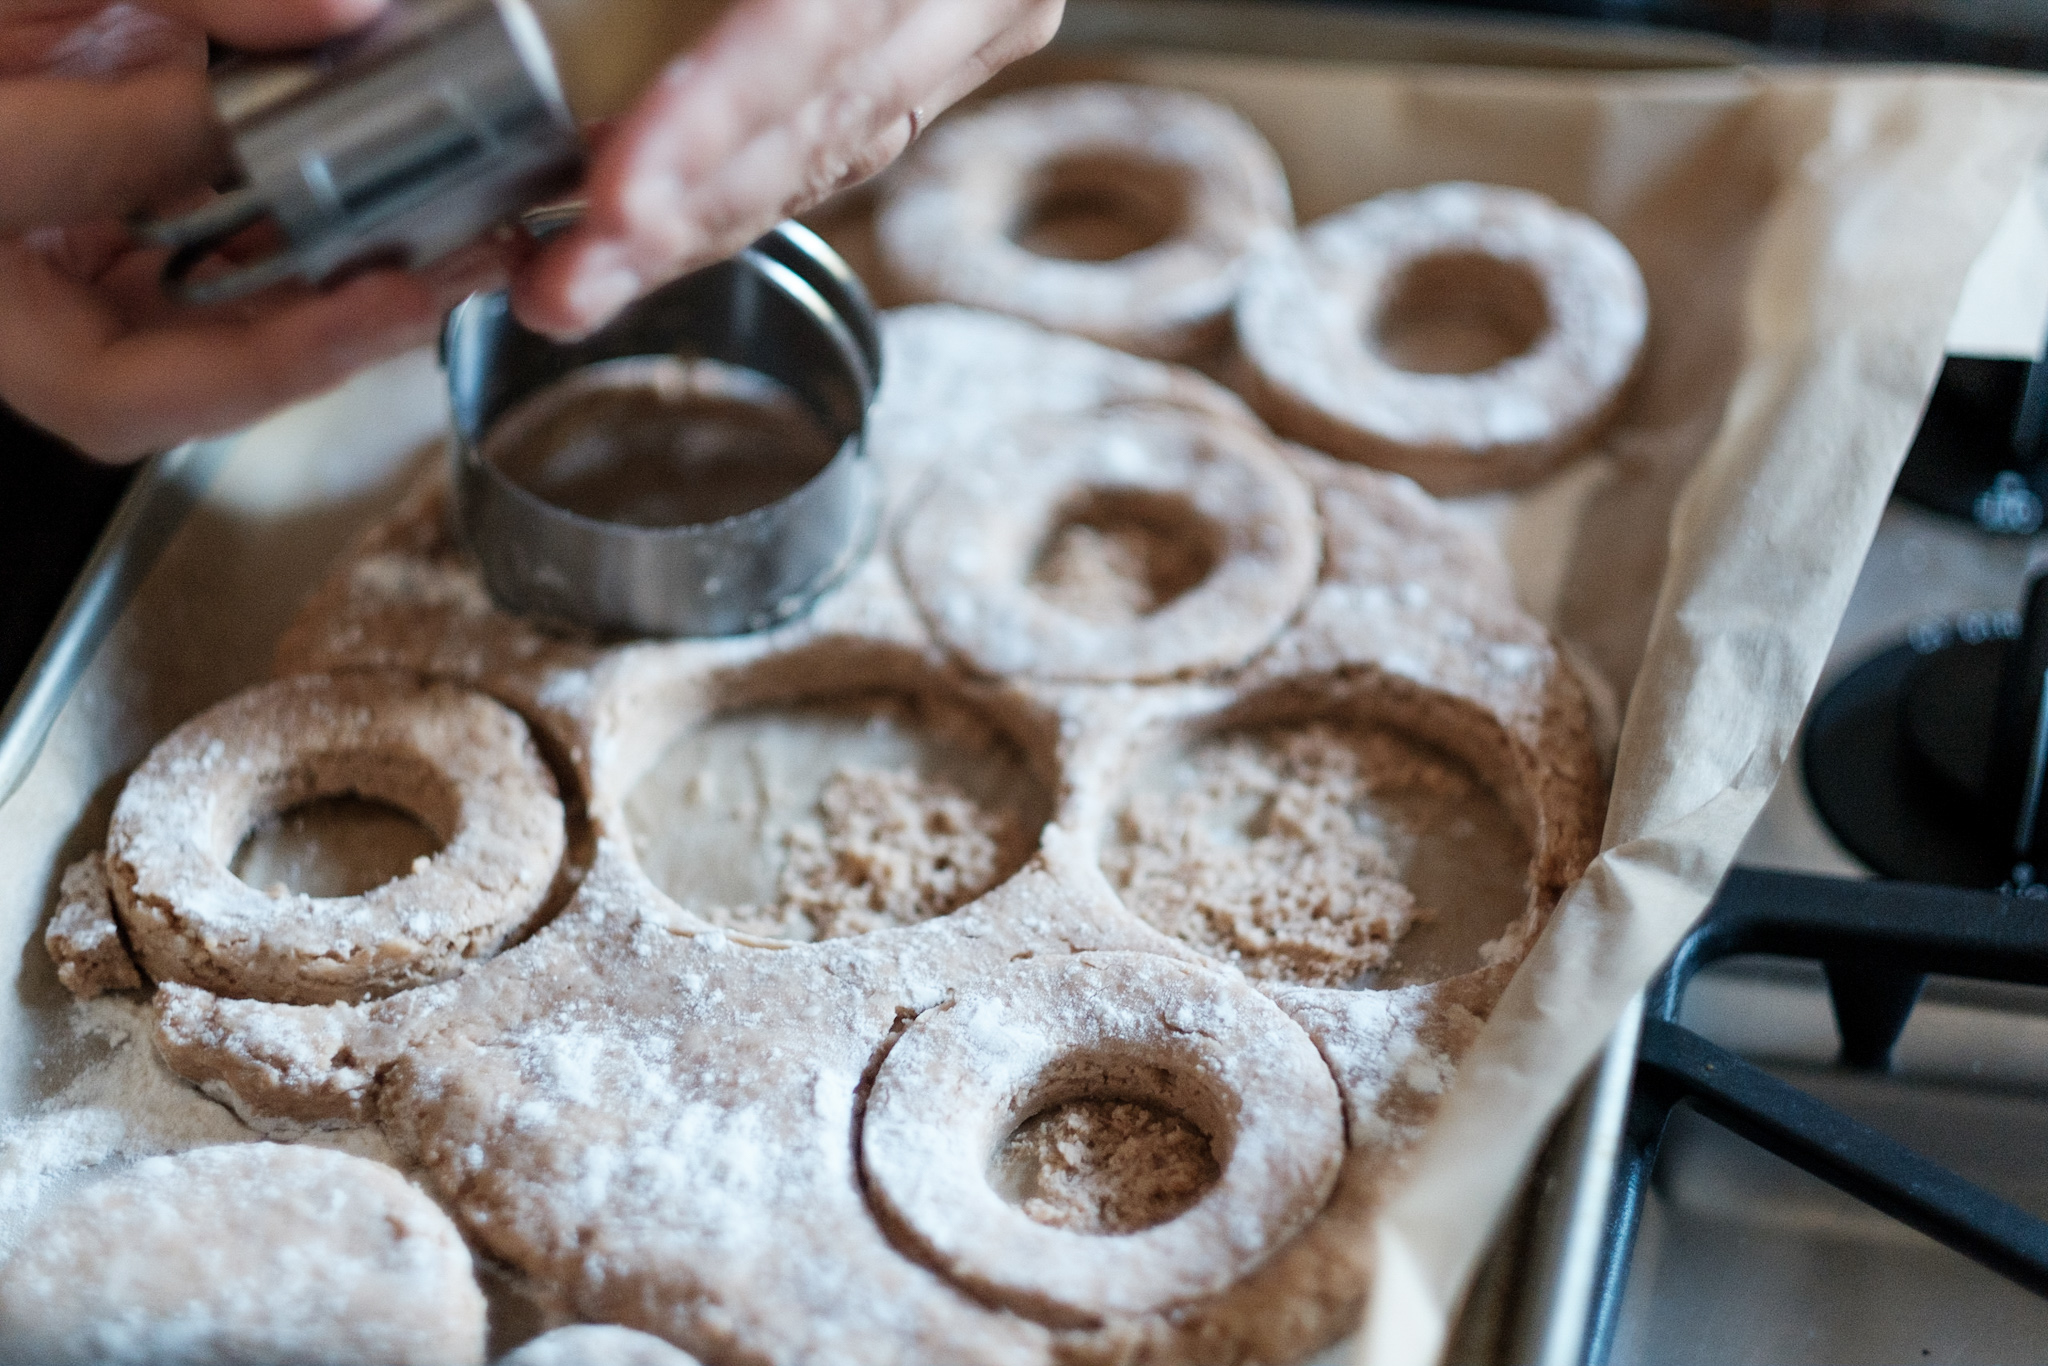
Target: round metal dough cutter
column 785, row 319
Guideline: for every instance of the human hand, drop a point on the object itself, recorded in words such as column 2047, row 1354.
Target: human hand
column 783, row 102
column 103, row 111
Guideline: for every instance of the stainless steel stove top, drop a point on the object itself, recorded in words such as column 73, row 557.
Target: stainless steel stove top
column 1742, row 1257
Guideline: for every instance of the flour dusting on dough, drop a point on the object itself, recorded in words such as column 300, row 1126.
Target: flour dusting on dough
column 1106, row 564
column 819, row 822
column 1104, row 1166
column 1298, row 853
column 887, row 848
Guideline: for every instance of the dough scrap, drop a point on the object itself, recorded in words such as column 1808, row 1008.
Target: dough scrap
column 327, row 1258
column 83, row 939
column 1104, row 1166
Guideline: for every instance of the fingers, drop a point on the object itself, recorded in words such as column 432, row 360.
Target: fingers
column 68, row 363
column 1032, row 31
column 86, row 39
column 761, row 63
column 86, row 142
column 82, row 149
column 773, row 112
column 268, row 24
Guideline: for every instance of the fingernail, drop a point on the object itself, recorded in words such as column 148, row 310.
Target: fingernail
column 601, row 292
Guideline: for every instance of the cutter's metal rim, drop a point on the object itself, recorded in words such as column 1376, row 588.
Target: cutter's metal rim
column 853, row 447
column 836, row 510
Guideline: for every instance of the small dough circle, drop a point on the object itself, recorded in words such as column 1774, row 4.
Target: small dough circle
column 464, row 765
column 1185, row 182
column 1557, row 299
column 970, row 547
column 1128, row 1026
column 255, row 1252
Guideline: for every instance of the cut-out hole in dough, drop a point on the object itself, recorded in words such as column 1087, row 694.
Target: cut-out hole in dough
column 1459, row 312
column 341, row 845
column 656, row 441
column 832, row 819
column 1121, row 554
column 1324, row 853
column 1104, row 1166
column 1101, row 206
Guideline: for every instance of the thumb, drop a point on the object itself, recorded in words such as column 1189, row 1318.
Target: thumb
column 85, row 149
column 266, row 24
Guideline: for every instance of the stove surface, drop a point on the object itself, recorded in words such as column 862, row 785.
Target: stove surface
column 1742, row 1257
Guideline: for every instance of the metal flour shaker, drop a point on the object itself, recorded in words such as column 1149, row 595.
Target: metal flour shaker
column 392, row 146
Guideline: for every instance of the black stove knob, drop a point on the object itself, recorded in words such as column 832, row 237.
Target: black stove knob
column 1981, row 453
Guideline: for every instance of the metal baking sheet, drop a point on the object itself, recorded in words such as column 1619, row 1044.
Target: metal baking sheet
column 268, row 510
column 164, row 491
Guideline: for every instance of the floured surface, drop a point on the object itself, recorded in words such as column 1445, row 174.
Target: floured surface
column 1306, row 854
column 1103, row 1166
column 827, row 821
column 597, row 1344
column 333, row 846
column 1107, row 567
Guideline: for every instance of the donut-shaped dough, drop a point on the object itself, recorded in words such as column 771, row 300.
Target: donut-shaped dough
column 1184, row 180
column 1109, row 1026
column 463, row 764
column 1468, row 336
column 1211, row 493
column 255, row 1252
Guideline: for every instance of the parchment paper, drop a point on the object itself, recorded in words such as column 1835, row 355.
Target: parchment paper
column 1879, row 191
column 1805, row 235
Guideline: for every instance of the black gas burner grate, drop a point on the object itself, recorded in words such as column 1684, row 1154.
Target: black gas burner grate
column 1929, row 762
column 1877, row 942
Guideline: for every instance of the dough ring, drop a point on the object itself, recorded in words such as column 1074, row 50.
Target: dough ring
column 1468, row 336
column 1121, row 1026
column 1224, row 537
column 249, row 1253
column 1169, row 188
column 460, row 762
